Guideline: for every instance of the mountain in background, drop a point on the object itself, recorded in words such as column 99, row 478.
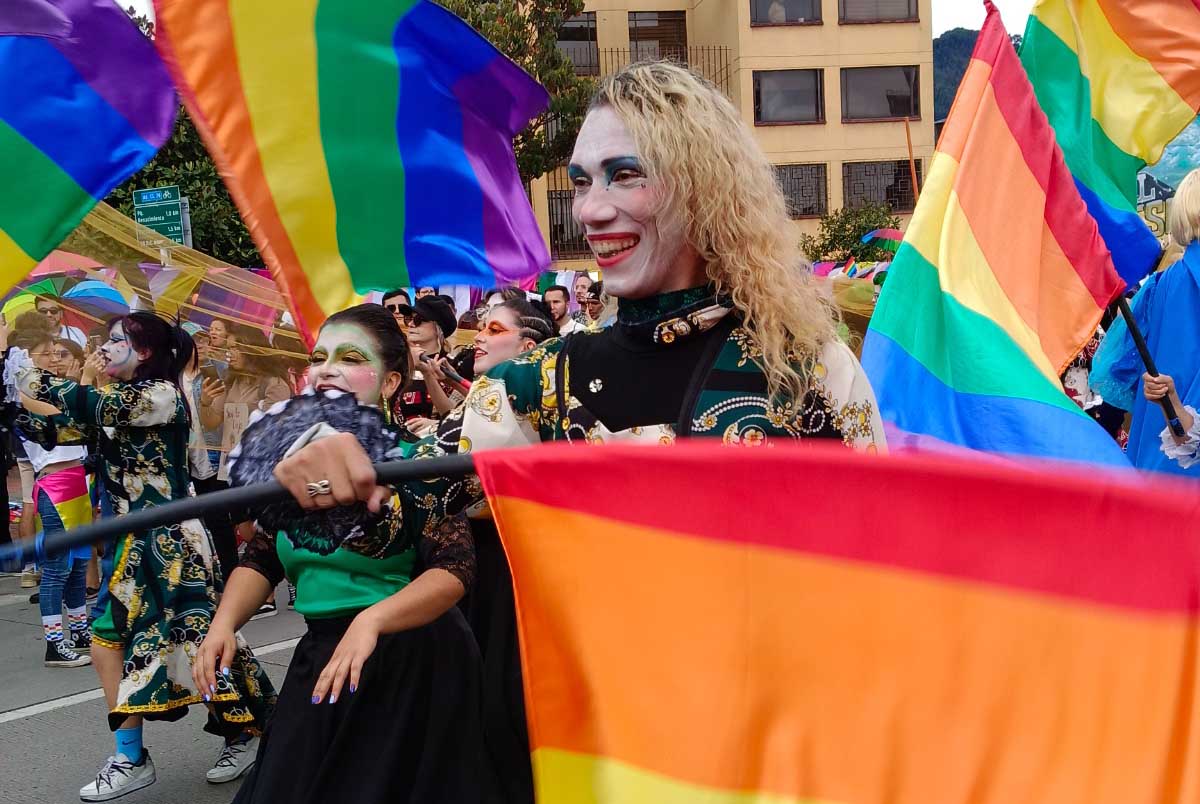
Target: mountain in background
column 951, row 52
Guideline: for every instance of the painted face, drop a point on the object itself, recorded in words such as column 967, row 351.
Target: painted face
column 43, row 356
column 424, row 336
column 499, row 340
column 345, row 358
column 120, row 358
column 582, row 283
column 218, row 334
column 641, row 252
column 557, row 302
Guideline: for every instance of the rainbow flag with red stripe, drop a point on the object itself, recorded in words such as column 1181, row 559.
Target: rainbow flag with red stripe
column 1001, row 280
column 731, row 633
column 1119, row 80
column 367, row 143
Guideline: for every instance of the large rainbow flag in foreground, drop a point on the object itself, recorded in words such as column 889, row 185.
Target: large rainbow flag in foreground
column 84, row 104
column 727, row 633
column 367, row 143
column 1001, row 280
column 1119, row 79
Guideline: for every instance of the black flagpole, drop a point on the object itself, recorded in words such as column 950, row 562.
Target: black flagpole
column 241, row 498
column 1148, row 359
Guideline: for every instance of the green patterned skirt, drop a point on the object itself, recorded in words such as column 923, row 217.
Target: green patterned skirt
column 162, row 597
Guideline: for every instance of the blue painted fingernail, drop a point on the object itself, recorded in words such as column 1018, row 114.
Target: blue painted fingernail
column 316, row 699
column 212, row 689
column 352, row 688
column 225, row 671
column 333, row 699
column 206, row 698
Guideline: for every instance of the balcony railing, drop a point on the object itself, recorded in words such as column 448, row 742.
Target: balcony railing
column 710, row 61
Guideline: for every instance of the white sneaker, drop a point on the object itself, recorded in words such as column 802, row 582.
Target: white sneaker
column 119, row 777
column 236, row 758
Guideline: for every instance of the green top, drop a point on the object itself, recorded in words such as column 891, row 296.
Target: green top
column 343, row 582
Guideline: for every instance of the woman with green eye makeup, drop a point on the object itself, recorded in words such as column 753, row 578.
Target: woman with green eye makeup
column 382, row 700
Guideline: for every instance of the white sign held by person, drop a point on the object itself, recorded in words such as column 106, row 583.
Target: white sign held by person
column 237, row 417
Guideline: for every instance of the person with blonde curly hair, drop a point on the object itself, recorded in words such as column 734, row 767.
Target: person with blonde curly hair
column 720, row 332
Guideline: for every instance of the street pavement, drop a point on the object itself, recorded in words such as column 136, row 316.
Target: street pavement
column 53, row 734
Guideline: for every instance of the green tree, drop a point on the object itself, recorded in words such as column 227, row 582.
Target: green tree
column 217, row 228
column 839, row 235
column 527, row 32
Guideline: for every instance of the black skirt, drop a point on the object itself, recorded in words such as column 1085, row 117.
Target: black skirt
column 491, row 612
column 410, row 733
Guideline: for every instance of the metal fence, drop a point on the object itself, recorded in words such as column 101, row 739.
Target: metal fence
column 710, row 61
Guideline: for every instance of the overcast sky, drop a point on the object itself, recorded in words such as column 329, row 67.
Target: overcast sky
column 969, row 14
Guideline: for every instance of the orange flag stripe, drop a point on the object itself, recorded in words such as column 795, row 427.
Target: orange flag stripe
column 893, row 686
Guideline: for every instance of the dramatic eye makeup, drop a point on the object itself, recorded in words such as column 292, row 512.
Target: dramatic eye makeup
column 624, row 171
column 348, row 354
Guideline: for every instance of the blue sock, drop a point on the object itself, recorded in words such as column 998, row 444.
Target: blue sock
column 129, row 743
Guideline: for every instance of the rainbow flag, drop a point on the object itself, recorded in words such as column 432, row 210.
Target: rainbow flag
column 725, row 634
column 84, row 104
column 367, row 143
column 1118, row 80
column 1001, row 280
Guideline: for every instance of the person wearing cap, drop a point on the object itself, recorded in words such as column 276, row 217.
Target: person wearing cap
column 431, row 322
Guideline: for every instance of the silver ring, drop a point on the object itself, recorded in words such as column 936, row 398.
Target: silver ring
column 319, row 488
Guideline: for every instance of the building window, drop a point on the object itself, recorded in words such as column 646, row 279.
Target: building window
column 806, row 189
column 577, row 40
column 789, row 96
column 877, row 10
column 566, row 236
column 785, row 12
column 658, row 35
column 881, row 93
column 872, row 183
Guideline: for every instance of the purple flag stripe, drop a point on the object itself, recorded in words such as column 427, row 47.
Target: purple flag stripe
column 511, row 237
column 33, row 18
column 126, row 70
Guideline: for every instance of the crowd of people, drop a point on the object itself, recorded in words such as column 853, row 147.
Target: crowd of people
column 407, row 684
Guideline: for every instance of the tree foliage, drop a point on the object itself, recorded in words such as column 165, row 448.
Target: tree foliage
column 839, row 235
column 527, row 32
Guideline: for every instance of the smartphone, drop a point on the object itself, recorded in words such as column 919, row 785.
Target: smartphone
column 209, row 373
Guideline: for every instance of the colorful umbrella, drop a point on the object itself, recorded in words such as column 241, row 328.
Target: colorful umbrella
column 25, row 299
column 886, row 239
column 96, row 301
column 61, row 262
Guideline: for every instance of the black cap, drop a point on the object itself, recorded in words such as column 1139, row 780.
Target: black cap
column 433, row 309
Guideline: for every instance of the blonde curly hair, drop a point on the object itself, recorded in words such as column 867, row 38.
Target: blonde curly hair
column 718, row 181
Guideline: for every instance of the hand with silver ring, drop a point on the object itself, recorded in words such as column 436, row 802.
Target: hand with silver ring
column 332, row 471
column 319, row 488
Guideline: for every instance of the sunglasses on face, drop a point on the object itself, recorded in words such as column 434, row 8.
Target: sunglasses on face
column 52, row 311
column 393, row 308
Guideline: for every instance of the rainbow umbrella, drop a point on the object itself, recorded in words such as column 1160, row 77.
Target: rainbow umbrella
column 887, row 239
column 95, row 301
column 61, row 262
column 25, row 299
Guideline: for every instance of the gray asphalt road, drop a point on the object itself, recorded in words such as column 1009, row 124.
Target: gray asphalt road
column 53, row 736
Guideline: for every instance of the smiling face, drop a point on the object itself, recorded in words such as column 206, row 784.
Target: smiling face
column 640, row 249
column 347, row 359
column 582, row 283
column 52, row 310
column 499, row 340
column 121, row 360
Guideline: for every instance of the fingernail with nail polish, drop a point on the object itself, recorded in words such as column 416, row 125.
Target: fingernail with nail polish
column 316, row 699
column 353, row 688
column 212, row 689
column 206, row 698
column 333, row 699
column 224, row 671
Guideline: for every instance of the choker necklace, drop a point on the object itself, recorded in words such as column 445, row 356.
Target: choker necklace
column 671, row 317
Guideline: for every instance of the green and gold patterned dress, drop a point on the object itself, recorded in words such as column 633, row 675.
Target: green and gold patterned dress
column 165, row 581
column 678, row 365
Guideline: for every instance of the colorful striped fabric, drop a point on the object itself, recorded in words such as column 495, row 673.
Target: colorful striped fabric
column 84, row 103
column 726, row 635
column 1001, row 280
column 368, row 143
column 1118, row 80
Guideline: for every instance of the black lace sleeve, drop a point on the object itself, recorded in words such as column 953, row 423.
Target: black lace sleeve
column 261, row 557
column 450, row 547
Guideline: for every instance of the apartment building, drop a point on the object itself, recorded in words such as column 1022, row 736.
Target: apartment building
column 826, row 84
